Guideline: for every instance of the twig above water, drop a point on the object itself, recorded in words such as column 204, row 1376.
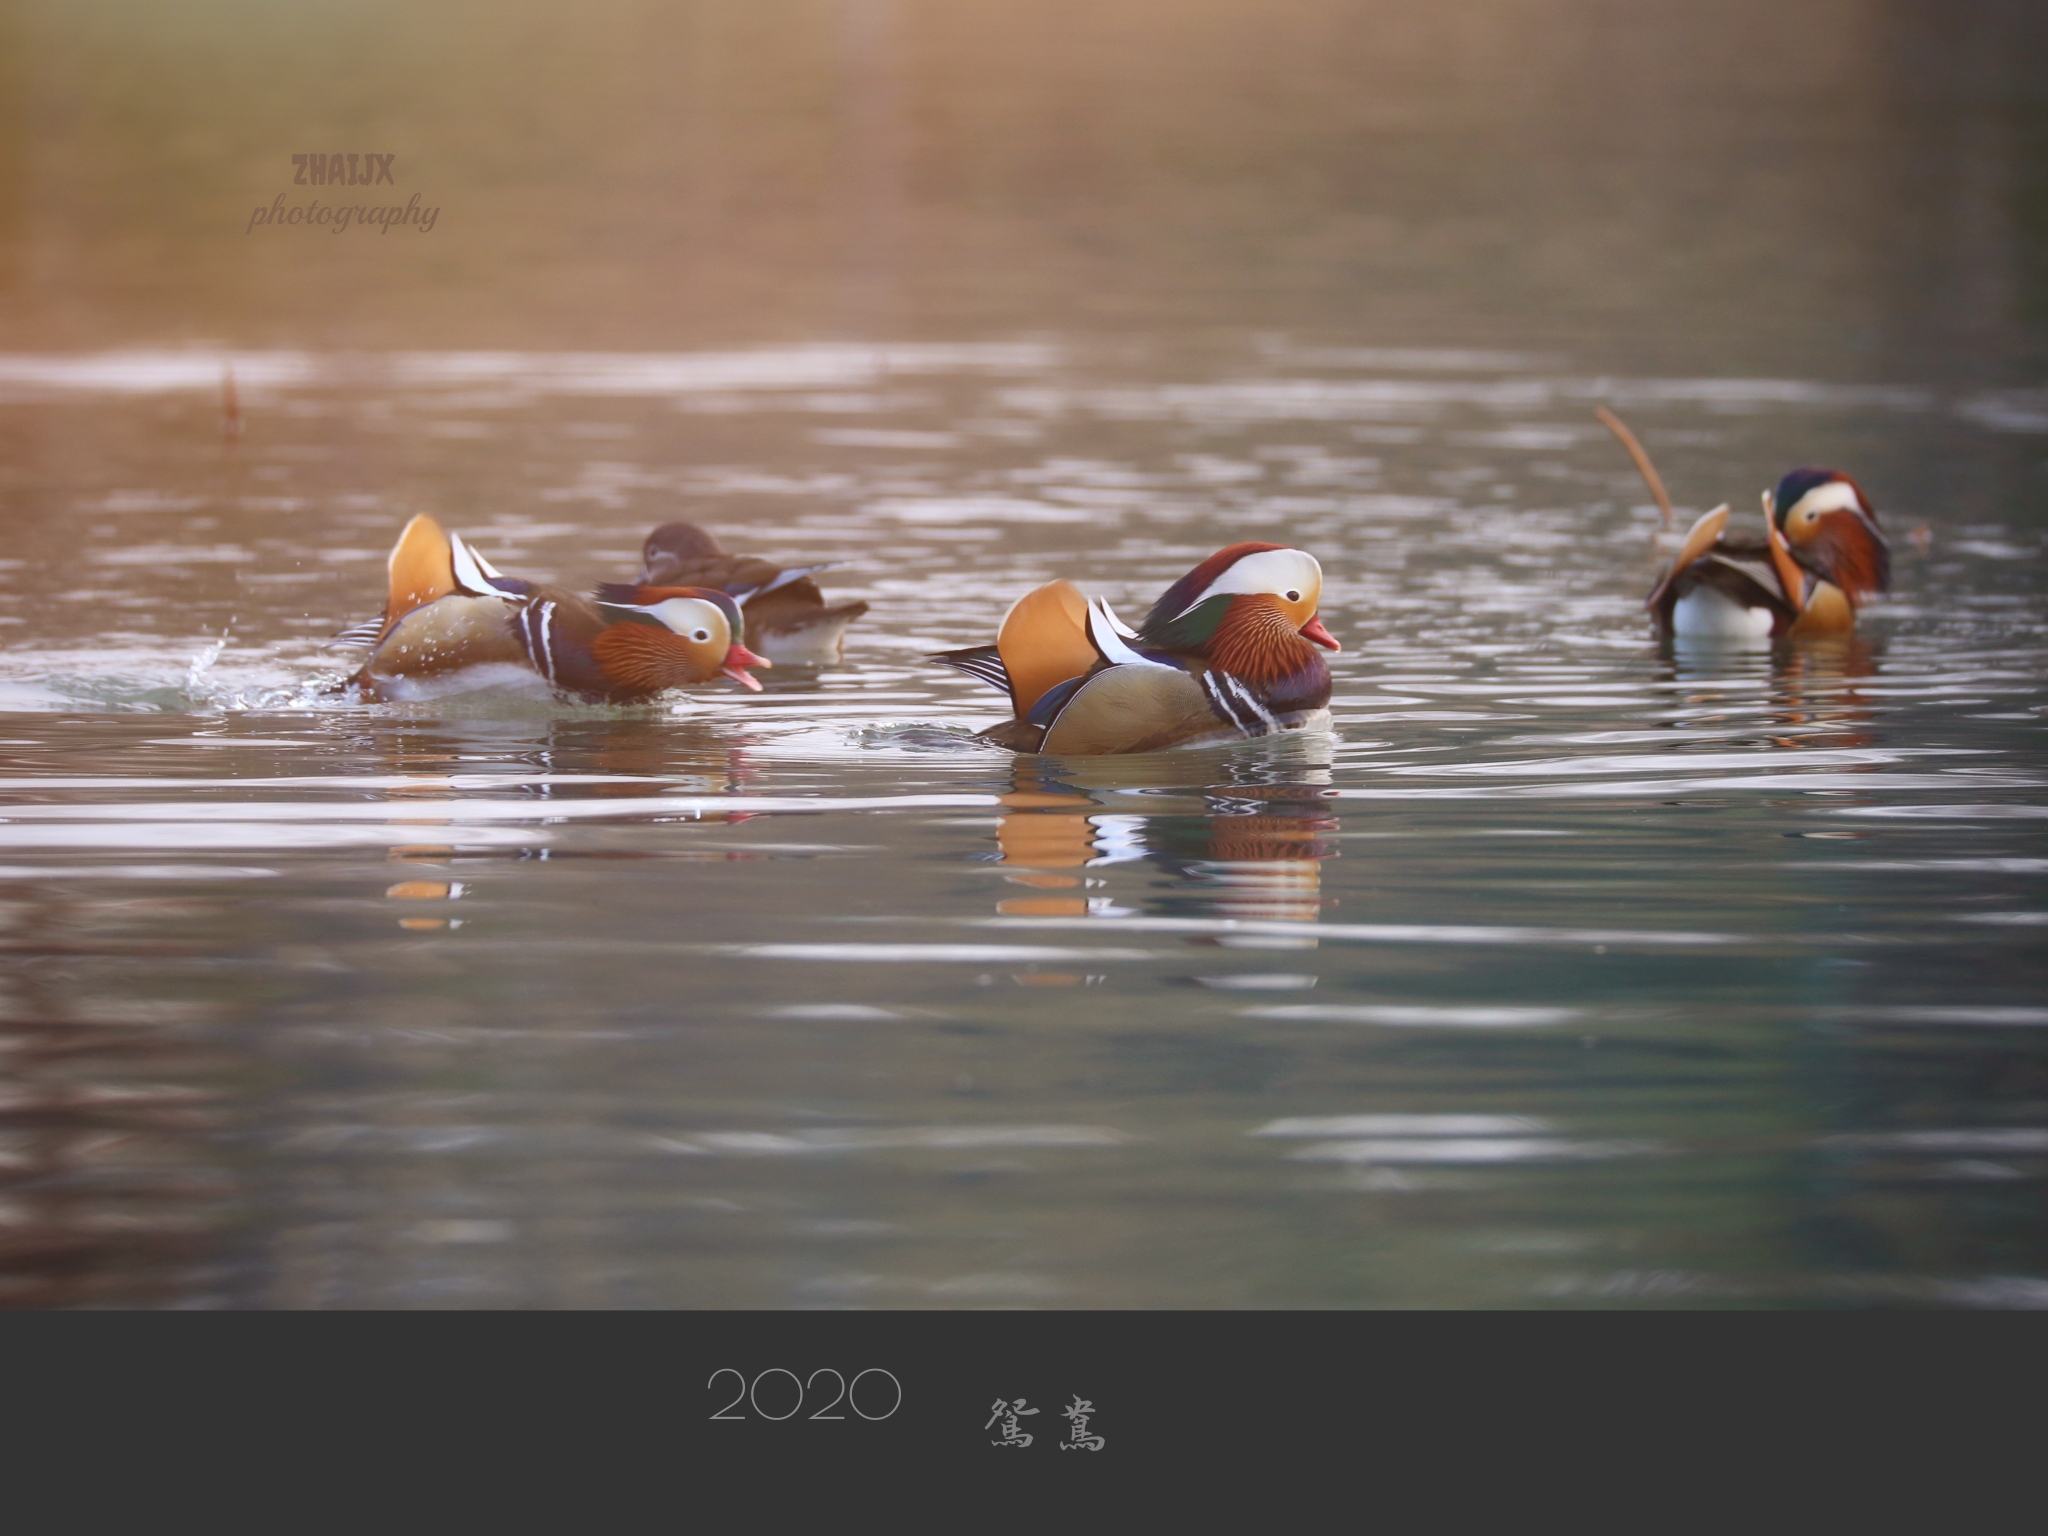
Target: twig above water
column 1636, row 451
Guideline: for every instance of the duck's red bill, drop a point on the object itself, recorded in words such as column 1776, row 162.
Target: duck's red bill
column 1313, row 630
column 737, row 660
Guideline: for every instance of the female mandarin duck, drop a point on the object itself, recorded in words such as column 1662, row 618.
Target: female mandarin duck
column 786, row 613
column 452, row 622
column 1821, row 554
column 1229, row 651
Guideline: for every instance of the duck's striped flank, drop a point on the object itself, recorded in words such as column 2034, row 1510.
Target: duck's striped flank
column 536, row 633
column 1236, row 703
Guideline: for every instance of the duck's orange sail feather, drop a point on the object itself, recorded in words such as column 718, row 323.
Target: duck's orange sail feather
column 422, row 569
column 1044, row 641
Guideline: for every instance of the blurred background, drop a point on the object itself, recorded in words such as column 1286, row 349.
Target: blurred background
column 1714, row 185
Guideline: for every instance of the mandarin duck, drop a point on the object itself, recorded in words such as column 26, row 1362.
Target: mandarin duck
column 786, row 613
column 1822, row 552
column 1229, row 651
column 453, row 623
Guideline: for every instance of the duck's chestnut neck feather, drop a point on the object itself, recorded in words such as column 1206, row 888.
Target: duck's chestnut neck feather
column 1847, row 552
column 1258, row 644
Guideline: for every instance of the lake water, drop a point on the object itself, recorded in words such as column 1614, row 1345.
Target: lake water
column 1570, row 971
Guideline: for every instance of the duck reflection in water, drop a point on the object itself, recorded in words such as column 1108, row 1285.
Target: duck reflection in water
column 1254, row 852
column 615, row 759
column 696, row 756
column 1812, row 698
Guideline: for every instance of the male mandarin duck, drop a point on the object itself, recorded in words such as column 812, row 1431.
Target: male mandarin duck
column 1230, row 651
column 1822, row 552
column 786, row 613
column 453, row 621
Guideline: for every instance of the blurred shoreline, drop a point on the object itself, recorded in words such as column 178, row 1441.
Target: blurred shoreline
column 1852, row 189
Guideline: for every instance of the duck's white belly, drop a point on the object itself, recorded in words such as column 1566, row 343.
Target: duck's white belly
column 498, row 676
column 1705, row 613
column 815, row 645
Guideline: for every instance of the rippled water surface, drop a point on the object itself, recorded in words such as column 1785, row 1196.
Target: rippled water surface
column 1568, row 971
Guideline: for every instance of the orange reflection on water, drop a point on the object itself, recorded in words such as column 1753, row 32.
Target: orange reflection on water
column 421, row 853
column 1813, row 689
column 423, row 890
column 1254, row 857
column 1044, row 906
column 1046, row 831
column 1812, row 699
column 1267, row 867
column 426, row 890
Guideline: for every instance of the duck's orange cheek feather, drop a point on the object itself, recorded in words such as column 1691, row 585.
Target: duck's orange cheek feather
column 1256, row 641
column 641, row 656
column 1859, row 563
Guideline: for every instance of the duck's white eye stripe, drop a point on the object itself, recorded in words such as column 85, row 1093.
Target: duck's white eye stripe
column 1835, row 496
column 1292, row 571
column 689, row 618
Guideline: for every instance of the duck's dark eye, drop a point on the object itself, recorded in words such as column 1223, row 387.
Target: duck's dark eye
column 701, row 635
column 1294, row 597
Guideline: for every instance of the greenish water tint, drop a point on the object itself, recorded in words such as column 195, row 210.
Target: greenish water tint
column 1568, row 971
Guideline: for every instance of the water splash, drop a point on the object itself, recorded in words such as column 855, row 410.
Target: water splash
column 195, row 674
